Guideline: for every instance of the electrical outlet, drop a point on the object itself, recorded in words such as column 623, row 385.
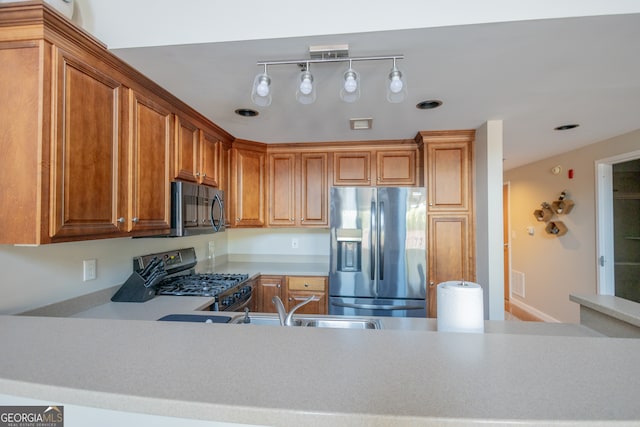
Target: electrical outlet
column 89, row 269
column 294, row 243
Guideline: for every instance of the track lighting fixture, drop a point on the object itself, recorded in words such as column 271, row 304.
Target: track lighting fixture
column 396, row 85
column 261, row 92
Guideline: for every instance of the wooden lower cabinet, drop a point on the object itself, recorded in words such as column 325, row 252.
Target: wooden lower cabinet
column 299, row 288
column 269, row 287
column 450, row 253
column 292, row 290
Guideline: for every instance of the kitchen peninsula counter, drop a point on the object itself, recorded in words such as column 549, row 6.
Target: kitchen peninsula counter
column 306, row 376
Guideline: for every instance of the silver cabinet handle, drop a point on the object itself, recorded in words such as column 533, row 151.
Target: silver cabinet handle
column 302, row 219
column 121, row 220
column 135, row 219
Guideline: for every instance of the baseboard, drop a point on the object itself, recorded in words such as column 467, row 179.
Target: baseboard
column 527, row 313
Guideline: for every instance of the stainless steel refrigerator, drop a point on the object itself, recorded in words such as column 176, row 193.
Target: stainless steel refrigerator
column 378, row 251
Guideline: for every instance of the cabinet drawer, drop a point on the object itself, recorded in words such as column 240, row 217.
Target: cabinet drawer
column 313, row 283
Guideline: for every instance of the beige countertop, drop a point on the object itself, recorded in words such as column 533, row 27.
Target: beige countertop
column 306, row 376
column 116, row 356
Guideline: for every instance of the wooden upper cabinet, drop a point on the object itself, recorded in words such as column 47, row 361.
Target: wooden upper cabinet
column 314, row 189
column 247, row 188
column 209, row 160
column 196, row 155
column 186, row 150
column 396, row 167
column 149, row 165
column 352, row 168
column 375, row 168
column 23, row 154
column 298, row 189
column 448, row 176
column 282, row 189
column 85, row 153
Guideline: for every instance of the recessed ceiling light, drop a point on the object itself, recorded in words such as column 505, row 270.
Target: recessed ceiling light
column 246, row 112
column 361, row 124
column 428, row 105
column 566, row 127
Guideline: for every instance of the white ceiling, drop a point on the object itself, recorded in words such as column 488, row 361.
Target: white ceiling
column 532, row 74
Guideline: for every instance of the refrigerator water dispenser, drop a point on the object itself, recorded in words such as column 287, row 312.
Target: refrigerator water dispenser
column 349, row 249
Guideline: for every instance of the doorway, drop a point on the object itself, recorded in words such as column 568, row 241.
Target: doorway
column 618, row 232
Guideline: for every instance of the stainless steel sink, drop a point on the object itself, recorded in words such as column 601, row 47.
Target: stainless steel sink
column 312, row 321
column 344, row 323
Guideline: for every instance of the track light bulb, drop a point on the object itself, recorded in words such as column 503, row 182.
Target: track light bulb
column 350, row 91
column 306, row 86
column 306, row 91
column 350, row 83
column 263, row 87
column 261, row 92
column 396, row 83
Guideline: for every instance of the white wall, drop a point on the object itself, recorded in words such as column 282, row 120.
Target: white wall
column 555, row 267
column 488, row 183
column 36, row 276
column 276, row 243
column 145, row 22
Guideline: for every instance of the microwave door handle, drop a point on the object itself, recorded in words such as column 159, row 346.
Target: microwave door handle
column 216, row 224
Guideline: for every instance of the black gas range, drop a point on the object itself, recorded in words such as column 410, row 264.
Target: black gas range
column 231, row 291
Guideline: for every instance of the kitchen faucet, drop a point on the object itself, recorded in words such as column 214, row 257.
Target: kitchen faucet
column 287, row 319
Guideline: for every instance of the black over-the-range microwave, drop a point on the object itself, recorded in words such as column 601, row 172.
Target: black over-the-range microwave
column 196, row 209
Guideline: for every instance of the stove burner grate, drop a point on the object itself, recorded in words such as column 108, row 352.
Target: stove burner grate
column 207, row 285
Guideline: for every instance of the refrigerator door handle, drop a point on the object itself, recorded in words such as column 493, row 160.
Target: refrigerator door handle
column 378, row 307
column 372, row 238
column 381, row 244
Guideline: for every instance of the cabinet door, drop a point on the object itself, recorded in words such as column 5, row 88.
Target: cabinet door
column 314, row 189
column 85, row 151
column 396, row 167
column 269, row 287
column 449, row 253
column 149, row 166
column 186, row 151
column 352, row 168
column 448, row 176
column 282, row 186
column 248, row 188
column 209, row 160
column 317, row 306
